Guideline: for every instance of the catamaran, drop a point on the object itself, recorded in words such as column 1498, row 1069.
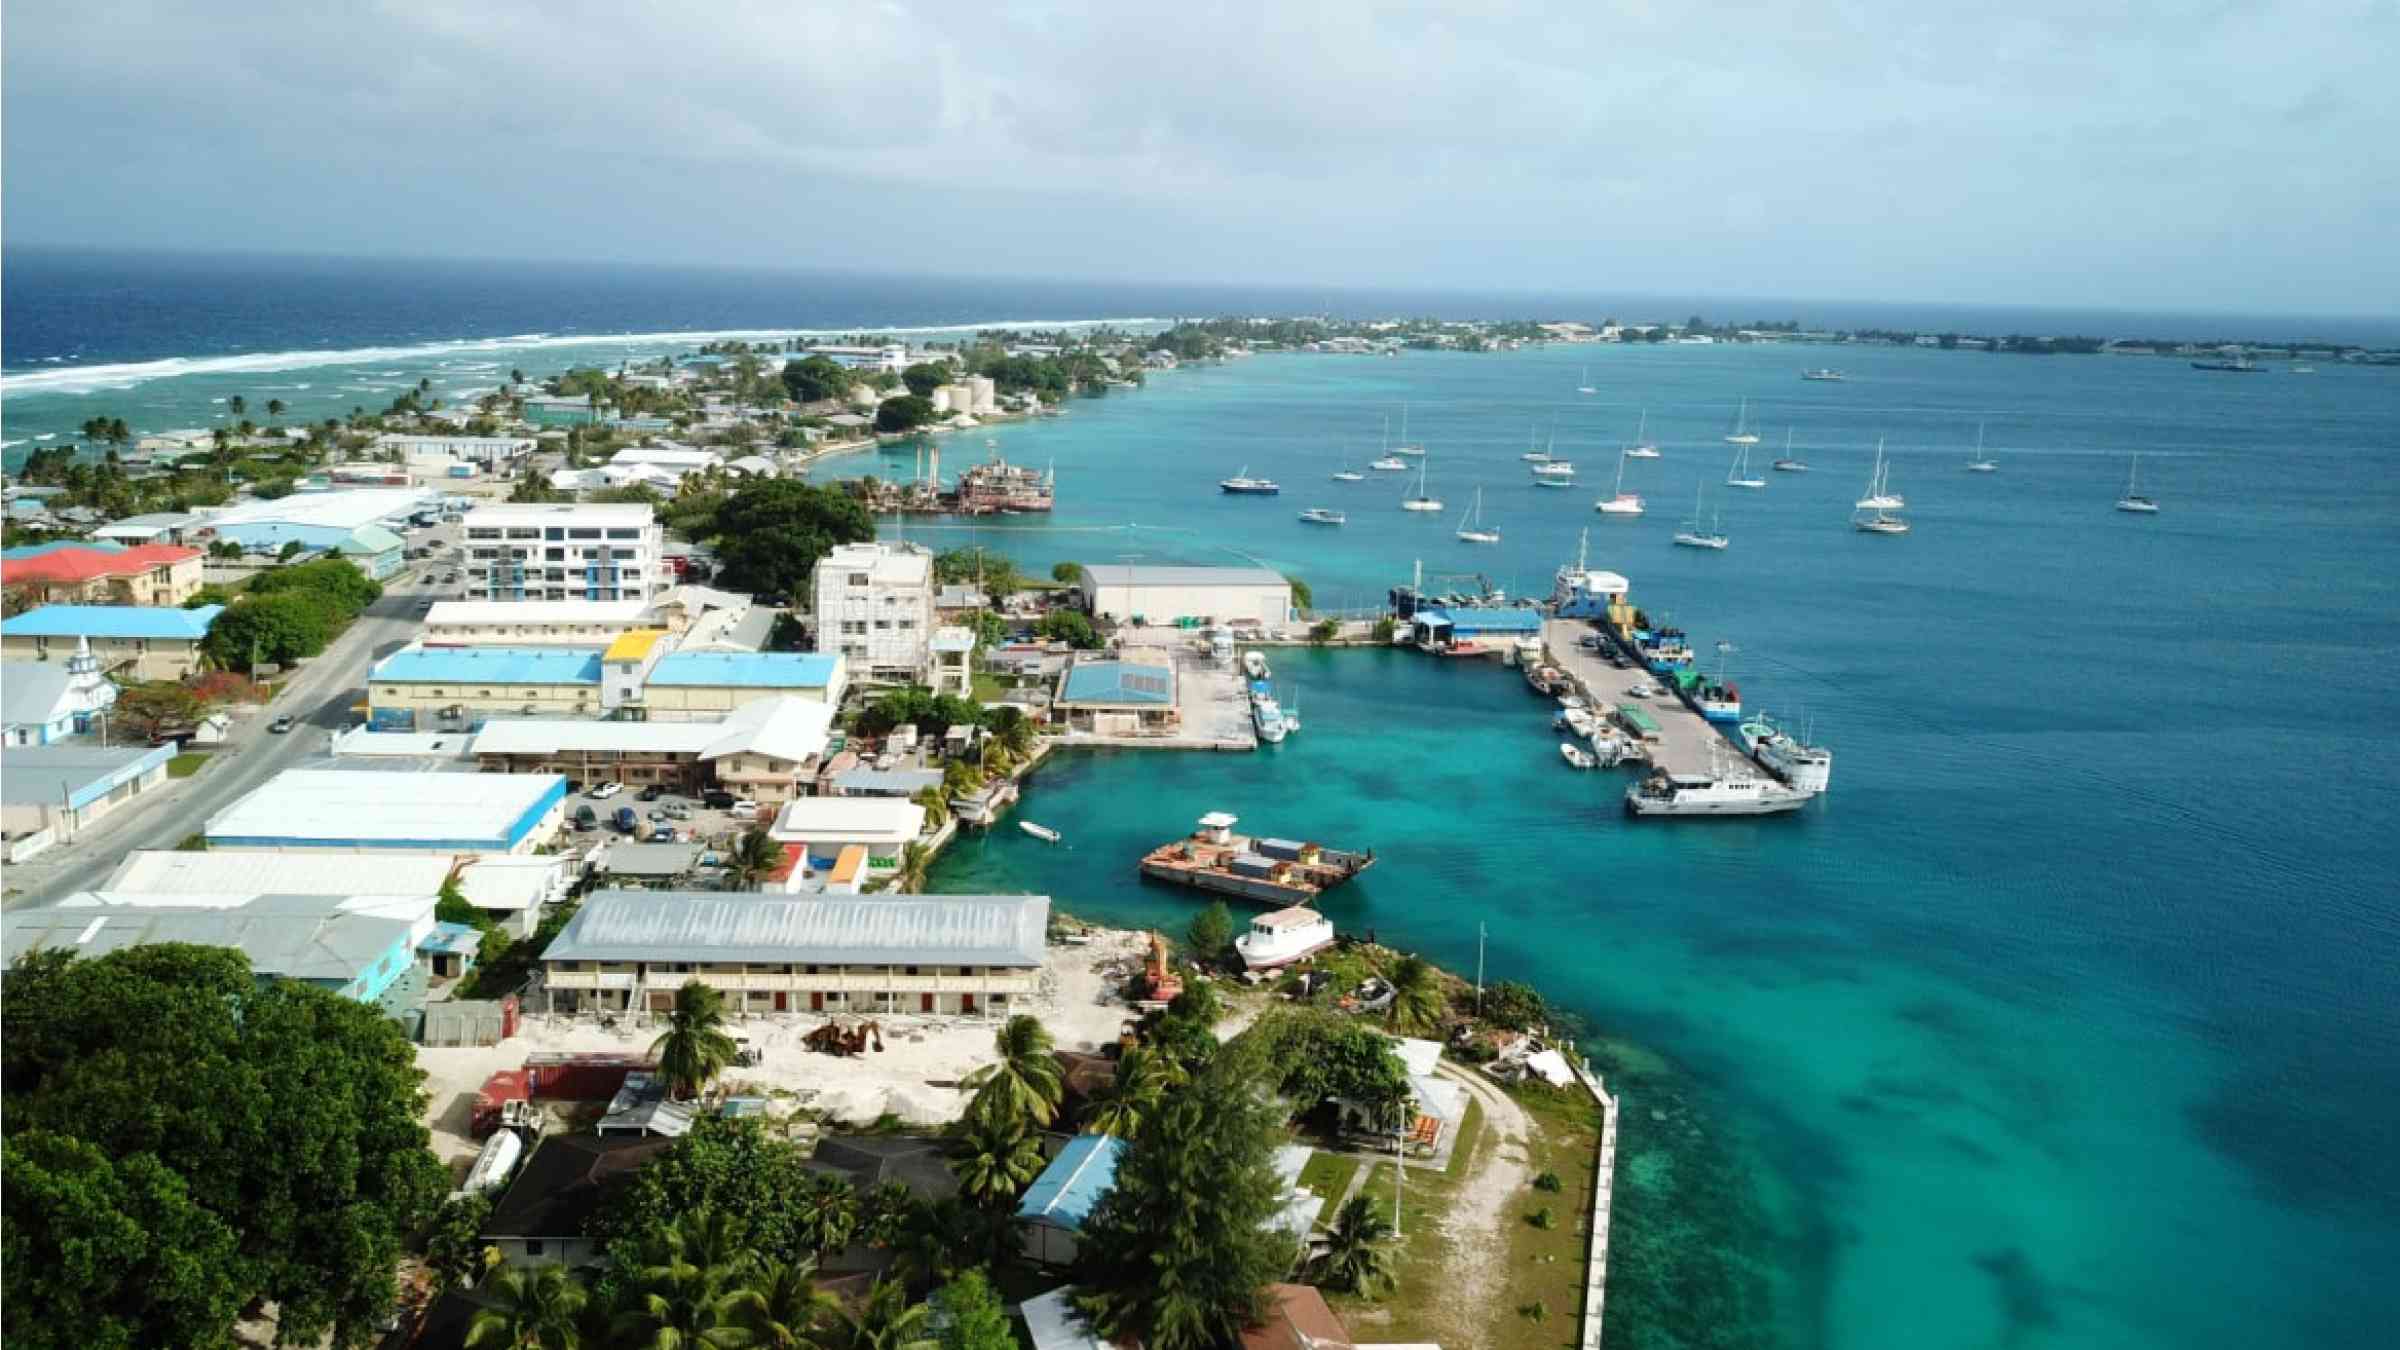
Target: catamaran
column 1643, row 448
column 1586, row 387
column 1742, row 434
column 1407, row 446
column 1692, row 536
column 1622, row 503
column 1421, row 502
column 1471, row 527
column 2133, row 500
column 1788, row 464
column 1242, row 483
column 1740, row 475
column 1982, row 463
column 1880, row 496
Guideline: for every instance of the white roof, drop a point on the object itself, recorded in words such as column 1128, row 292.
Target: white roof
column 1218, row 820
column 679, row 456
column 483, row 612
column 779, row 728
column 1053, row 1323
column 163, row 871
column 561, row 513
column 408, row 809
column 362, row 741
column 1551, row 1067
column 888, row 564
column 1419, row 1056
column 409, row 909
column 570, row 480
column 543, row 735
column 1120, row 574
column 349, row 509
column 864, row 819
column 509, row 882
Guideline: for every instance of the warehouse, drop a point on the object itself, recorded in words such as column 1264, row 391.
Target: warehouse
column 1119, row 698
column 333, row 810
column 63, row 788
column 875, row 955
column 359, row 947
column 640, row 674
column 1162, row 595
column 350, row 522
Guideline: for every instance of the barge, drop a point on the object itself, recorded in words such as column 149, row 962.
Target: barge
column 1280, row 872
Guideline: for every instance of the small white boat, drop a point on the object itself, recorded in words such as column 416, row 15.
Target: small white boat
column 1693, row 536
column 1789, row 464
column 1254, row 664
column 1740, row 474
column 1642, row 447
column 1346, row 474
column 1577, row 720
column 1471, row 527
column 1622, row 503
column 1041, row 832
column 1982, row 463
column 1556, row 473
column 1285, row 936
column 2133, row 501
column 1880, row 523
column 1742, row 434
column 1318, row 515
column 1421, row 502
column 1821, row 373
column 1390, row 464
column 1577, row 757
column 1587, row 387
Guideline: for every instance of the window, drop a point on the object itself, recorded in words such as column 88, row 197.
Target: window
column 858, row 578
column 533, row 1246
column 624, row 534
column 581, row 533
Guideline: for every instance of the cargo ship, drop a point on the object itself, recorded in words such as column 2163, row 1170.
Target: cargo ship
column 1280, row 872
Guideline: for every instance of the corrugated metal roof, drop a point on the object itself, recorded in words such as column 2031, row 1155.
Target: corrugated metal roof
column 1509, row 619
column 469, row 810
column 650, row 860
column 169, row 870
column 541, row 736
column 1120, row 682
column 31, row 692
column 496, row 665
column 902, row 781
column 1072, row 1186
column 1120, row 574
column 745, row 670
column 306, row 937
column 77, row 775
column 113, row 621
column 948, row 930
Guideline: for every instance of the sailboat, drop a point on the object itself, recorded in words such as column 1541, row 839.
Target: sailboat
column 2133, row 500
column 1389, row 463
column 1553, row 471
column 1879, row 496
column 1642, row 448
column 1740, row 475
column 1470, row 526
column 1534, row 453
column 1586, row 387
column 1407, row 446
column 1623, row 503
column 1421, row 502
column 1981, row 463
column 1692, row 536
column 1787, row 464
column 1742, row 435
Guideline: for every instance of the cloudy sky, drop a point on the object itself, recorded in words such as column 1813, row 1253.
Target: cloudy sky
column 2186, row 155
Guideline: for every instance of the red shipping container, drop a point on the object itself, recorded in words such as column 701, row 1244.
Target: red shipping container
column 508, row 1085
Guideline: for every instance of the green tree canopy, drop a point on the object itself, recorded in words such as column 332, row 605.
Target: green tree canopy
column 731, row 1165
column 995, row 574
column 1066, row 573
column 289, row 1114
column 973, row 1318
column 925, row 377
column 1303, row 599
column 1211, row 930
column 270, row 628
column 774, row 531
column 905, row 413
column 1518, row 1007
column 815, row 378
column 1071, row 626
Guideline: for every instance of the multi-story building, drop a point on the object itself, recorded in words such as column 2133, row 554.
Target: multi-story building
column 639, row 676
column 874, row 605
column 103, row 574
column 890, row 356
column 591, row 551
column 134, row 641
column 492, row 452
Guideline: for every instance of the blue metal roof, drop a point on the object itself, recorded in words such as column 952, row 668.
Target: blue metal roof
column 1120, row 682
column 1072, row 1186
column 1511, row 619
column 113, row 621
column 748, row 670
column 500, row 665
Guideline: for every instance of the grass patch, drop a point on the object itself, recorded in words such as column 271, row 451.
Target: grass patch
column 186, row 764
column 1328, row 1175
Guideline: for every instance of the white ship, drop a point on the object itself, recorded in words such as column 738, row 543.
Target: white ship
column 1688, row 794
column 1285, row 936
column 1267, row 716
column 1806, row 767
column 1555, row 473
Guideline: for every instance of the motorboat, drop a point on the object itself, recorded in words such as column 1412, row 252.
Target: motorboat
column 1471, row 528
column 1282, row 937
column 2133, row 501
column 1797, row 761
column 1318, row 515
column 1577, row 757
column 1254, row 664
column 1683, row 794
column 1243, row 483
column 1041, row 832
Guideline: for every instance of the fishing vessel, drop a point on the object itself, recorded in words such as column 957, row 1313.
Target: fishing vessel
column 1421, row 502
column 1789, row 464
column 1741, row 433
column 1982, row 463
column 1715, row 698
column 1243, row 483
column 1556, row 473
column 1622, row 503
column 1740, row 474
column 1880, row 496
column 1041, row 832
column 1282, row 937
column 1586, row 387
column 1687, row 794
column 1318, row 515
column 1254, row 664
column 1795, row 760
column 2133, row 500
column 1821, row 373
column 1643, row 447
column 1267, row 716
column 1692, row 536
column 1576, row 756
column 1471, row 527
column 1281, row 872
column 1406, row 446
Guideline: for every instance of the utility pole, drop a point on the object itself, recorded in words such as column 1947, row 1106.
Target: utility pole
column 1399, row 1172
column 1479, row 934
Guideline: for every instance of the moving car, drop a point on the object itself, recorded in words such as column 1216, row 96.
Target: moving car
column 280, row 725
column 653, row 793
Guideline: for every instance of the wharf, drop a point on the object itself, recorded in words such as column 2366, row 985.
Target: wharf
column 1686, row 742
column 1279, row 872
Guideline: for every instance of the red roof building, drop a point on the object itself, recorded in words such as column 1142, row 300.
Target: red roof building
column 78, row 574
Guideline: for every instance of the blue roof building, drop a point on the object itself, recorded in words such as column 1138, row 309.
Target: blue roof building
column 786, row 671
column 1062, row 1198
column 1119, row 682
column 1475, row 624
column 148, row 622
column 492, row 665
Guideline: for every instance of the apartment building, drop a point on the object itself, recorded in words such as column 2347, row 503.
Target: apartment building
column 573, row 551
column 874, row 606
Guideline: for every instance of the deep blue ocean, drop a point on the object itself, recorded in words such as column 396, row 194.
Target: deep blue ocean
column 2070, row 1018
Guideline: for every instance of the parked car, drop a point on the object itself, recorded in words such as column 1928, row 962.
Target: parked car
column 627, row 821
column 653, row 793
column 679, row 812
column 716, row 800
column 280, row 725
column 605, row 791
column 586, row 820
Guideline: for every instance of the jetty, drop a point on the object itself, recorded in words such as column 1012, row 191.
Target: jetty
column 1278, row 872
column 1668, row 732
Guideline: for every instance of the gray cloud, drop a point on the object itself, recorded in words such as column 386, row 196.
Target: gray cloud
column 2151, row 154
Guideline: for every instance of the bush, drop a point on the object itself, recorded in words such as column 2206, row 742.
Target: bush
column 1542, row 1218
column 905, row 413
column 336, row 580
column 1548, row 1181
column 1071, row 627
column 1518, row 1007
column 1384, row 629
column 1325, row 630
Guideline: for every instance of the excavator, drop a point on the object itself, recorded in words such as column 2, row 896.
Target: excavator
column 836, row 1039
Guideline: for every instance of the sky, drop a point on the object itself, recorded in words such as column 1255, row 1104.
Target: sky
column 2188, row 155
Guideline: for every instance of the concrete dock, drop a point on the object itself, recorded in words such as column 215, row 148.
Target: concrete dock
column 1686, row 741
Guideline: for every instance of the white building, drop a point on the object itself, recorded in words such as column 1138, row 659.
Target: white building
column 678, row 460
column 1224, row 595
column 583, row 552
column 890, row 357
column 874, row 605
column 492, row 452
column 361, row 811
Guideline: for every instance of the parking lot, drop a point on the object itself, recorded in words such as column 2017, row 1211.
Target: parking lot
column 692, row 822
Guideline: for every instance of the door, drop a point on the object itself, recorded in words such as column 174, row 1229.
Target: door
column 816, row 1000
column 924, row 1003
column 782, row 1001
column 966, row 1003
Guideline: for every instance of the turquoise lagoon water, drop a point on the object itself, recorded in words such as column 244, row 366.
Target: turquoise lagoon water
column 2066, row 1020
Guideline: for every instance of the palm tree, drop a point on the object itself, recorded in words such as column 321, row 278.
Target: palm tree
column 885, row 1320
column 1142, row 1080
column 534, row 1309
column 1358, row 1249
column 1014, row 729
column 236, row 406
column 274, row 407
column 687, row 1290
column 695, row 1047
column 828, row 1213
column 936, row 804
column 1025, row 1086
column 997, row 1159
column 753, row 856
column 915, row 858
column 959, row 779
column 780, row 1308
column 1417, row 999
column 931, row 1244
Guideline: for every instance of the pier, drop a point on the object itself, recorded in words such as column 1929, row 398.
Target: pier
column 1685, row 743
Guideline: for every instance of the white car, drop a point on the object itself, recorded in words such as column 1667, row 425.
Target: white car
column 605, row 791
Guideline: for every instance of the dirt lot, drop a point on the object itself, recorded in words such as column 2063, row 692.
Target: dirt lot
column 915, row 1078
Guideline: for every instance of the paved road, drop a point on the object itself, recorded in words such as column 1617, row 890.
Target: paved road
column 319, row 697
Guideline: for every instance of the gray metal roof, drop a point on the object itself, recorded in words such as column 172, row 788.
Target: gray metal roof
column 943, row 930
column 31, row 691
column 650, row 860
column 304, row 937
column 1122, row 574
